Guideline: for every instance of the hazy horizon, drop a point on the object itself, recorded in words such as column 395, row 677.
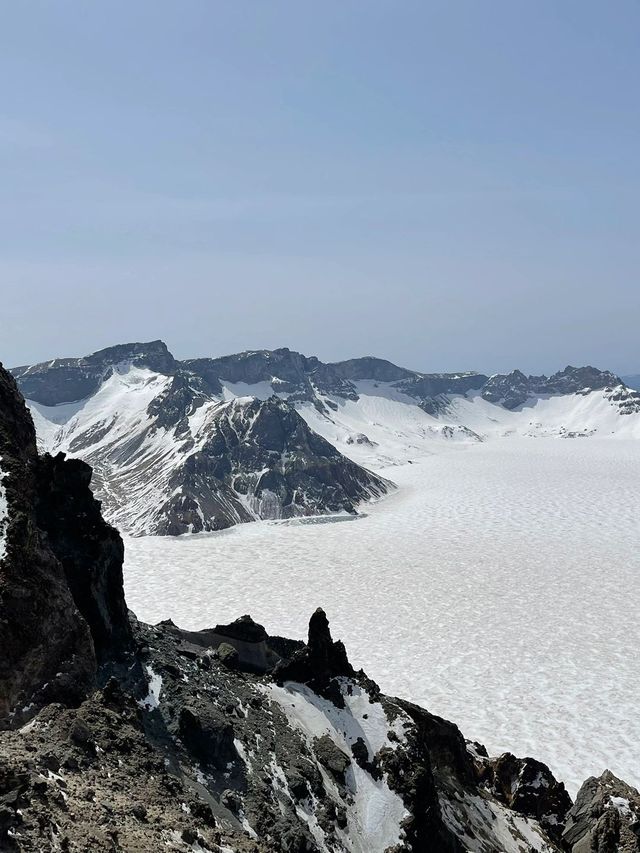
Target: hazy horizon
column 446, row 185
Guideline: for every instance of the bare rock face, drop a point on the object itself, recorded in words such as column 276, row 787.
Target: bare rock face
column 320, row 661
column 90, row 550
column 62, row 608
column 605, row 817
column 528, row 787
column 261, row 460
column 47, row 651
column 63, row 380
column 514, row 389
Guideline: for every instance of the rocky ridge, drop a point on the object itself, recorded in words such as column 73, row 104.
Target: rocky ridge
column 290, row 374
column 515, row 389
column 170, row 456
column 120, row 736
column 202, row 444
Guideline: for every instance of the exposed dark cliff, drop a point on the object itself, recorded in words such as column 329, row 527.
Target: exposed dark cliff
column 513, row 389
column 61, row 598
column 298, row 377
column 63, row 380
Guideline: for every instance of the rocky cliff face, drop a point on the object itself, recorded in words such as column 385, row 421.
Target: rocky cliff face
column 259, row 459
column 61, row 600
column 64, row 380
column 172, row 453
column 514, row 389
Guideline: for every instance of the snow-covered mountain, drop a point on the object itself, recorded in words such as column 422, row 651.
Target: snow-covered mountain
column 205, row 443
column 173, row 452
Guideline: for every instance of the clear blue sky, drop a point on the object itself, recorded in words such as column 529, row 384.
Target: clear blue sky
column 448, row 184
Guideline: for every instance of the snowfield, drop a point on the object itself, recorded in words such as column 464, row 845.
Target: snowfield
column 498, row 587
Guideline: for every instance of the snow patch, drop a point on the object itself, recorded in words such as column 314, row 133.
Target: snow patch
column 4, row 516
column 375, row 816
column 152, row 700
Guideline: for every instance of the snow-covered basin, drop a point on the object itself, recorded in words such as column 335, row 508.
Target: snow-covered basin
column 499, row 587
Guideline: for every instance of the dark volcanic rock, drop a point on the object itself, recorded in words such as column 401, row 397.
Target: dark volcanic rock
column 528, row 787
column 262, row 460
column 91, row 552
column 514, row 389
column 208, row 735
column 331, row 757
column 510, row 390
column 64, row 380
column 605, row 817
column 447, row 747
column 62, row 609
column 47, row 651
column 320, row 661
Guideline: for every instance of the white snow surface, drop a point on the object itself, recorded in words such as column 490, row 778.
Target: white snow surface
column 152, row 699
column 4, row 516
column 375, row 815
column 498, row 588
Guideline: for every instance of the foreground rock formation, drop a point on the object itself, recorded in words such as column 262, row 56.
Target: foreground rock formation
column 120, row 736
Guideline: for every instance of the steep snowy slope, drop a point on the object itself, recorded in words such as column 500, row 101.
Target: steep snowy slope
column 170, row 457
column 206, row 443
column 385, row 427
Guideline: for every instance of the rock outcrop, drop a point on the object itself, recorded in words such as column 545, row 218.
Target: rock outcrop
column 528, row 787
column 514, row 389
column 62, row 610
column 605, row 817
column 259, row 459
column 64, row 380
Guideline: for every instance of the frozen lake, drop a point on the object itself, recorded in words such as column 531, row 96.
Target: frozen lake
column 498, row 588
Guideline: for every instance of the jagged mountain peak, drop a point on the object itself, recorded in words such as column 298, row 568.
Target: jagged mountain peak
column 185, row 445
column 67, row 380
column 171, row 455
column 514, row 389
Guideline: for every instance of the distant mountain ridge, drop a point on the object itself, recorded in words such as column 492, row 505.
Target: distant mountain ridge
column 300, row 377
column 205, row 443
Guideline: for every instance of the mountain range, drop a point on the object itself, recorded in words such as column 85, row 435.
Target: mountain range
column 120, row 736
column 205, row 443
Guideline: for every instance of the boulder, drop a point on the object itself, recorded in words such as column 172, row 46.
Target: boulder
column 208, row 736
column 331, row 757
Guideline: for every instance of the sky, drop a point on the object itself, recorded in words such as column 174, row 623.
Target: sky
column 450, row 184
